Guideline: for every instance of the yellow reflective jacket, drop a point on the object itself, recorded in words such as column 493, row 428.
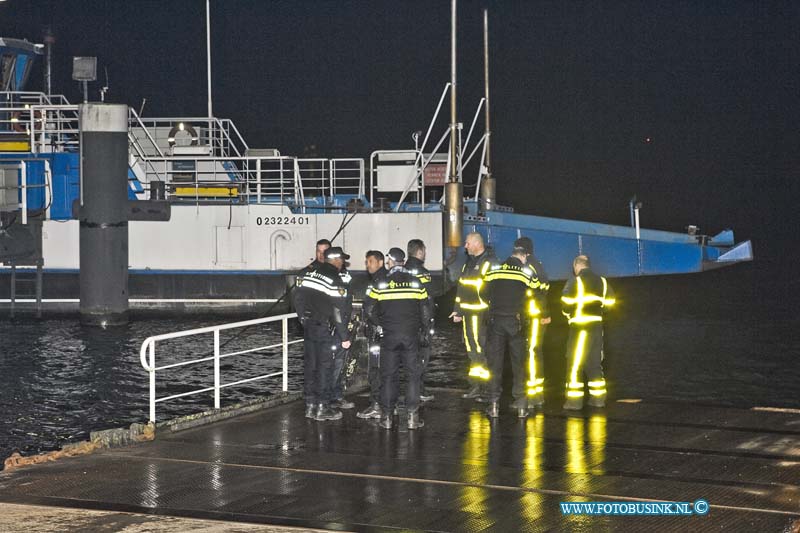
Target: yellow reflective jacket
column 468, row 295
column 585, row 297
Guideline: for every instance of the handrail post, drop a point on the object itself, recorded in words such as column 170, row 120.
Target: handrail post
column 285, row 342
column 216, row 369
column 153, row 382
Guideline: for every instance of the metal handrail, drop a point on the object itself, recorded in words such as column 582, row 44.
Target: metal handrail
column 147, row 355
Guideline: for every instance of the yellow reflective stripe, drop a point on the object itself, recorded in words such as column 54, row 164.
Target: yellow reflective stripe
column 585, row 319
column 574, row 394
column 400, row 295
column 466, row 338
column 475, row 333
column 532, row 309
column 532, row 351
column 475, row 282
column 474, row 307
column 479, row 372
column 508, row 274
column 598, row 383
column 485, row 267
column 458, row 299
column 597, row 392
column 576, row 361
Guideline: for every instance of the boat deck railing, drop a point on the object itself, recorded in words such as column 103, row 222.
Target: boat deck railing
column 150, row 364
column 207, row 159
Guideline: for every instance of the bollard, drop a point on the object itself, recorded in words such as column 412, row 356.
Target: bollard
column 103, row 215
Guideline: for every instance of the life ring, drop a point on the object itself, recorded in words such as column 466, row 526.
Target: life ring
column 188, row 128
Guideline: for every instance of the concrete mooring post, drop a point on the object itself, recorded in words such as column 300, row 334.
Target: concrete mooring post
column 104, row 214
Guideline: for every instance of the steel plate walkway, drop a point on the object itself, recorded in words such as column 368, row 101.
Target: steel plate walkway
column 459, row 473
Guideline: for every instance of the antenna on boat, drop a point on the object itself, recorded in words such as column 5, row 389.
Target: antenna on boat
column 208, row 55
column 453, row 190
column 488, row 186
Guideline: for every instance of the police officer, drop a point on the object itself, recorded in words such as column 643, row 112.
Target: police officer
column 377, row 275
column 320, row 301
column 415, row 264
column 470, row 309
column 341, row 354
column 319, row 257
column 583, row 302
column 403, row 311
column 511, row 289
column 538, row 320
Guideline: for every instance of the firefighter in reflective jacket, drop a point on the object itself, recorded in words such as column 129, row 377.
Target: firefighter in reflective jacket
column 320, row 301
column 470, row 309
column 415, row 264
column 583, row 302
column 511, row 290
column 403, row 311
column 539, row 318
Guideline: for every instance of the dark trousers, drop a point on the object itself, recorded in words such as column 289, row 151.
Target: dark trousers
column 585, row 359
column 394, row 351
column 374, row 374
column 317, row 363
column 506, row 331
column 424, row 359
column 338, row 379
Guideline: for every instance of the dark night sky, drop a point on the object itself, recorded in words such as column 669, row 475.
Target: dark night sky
column 576, row 88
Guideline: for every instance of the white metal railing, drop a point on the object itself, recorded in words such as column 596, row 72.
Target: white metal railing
column 270, row 180
column 220, row 135
column 147, row 355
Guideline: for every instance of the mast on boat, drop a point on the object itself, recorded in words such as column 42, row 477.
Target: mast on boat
column 453, row 190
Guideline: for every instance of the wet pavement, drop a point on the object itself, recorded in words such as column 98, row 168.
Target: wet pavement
column 461, row 472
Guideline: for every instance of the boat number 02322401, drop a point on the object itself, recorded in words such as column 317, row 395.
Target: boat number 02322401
column 282, row 221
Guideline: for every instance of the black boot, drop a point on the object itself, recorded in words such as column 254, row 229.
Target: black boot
column 311, row 410
column 493, row 410
column 386, row 420
column 414, row 420
column 325, row 412
column 373, row 411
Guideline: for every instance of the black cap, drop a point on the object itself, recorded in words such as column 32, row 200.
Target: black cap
column 336, row 252
column 524, row 244
column 397, row 255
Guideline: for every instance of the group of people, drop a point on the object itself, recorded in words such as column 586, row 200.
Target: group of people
column 501, row 306
column 505, row 306
column 397, row 313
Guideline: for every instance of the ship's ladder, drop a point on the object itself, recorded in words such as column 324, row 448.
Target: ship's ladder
column 26, row 288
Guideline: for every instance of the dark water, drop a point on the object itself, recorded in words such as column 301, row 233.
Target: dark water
column 724, row 338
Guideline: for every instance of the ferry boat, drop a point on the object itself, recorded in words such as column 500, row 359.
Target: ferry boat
column 215, row 223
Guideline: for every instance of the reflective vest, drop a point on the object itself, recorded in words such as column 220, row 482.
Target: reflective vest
column 468, row 296
column 585, row 296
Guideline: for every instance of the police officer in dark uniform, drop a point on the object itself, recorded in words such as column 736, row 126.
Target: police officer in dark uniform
column 341, row 355
column 377, row 272
column 511, row 290
column 402, row 309
column 320, row 301
column 319, row 257
column 470, row 310
column 415, row 264
column 538, row 321
column 583, row 302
